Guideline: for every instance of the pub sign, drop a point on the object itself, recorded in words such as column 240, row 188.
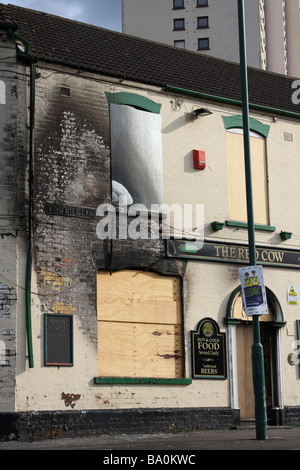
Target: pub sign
column 208, row 351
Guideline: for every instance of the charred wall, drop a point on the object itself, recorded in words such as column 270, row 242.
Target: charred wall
column 13, row 209
column 72, row 177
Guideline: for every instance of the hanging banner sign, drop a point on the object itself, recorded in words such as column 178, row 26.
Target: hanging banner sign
column 292, row 293
column 253, row 290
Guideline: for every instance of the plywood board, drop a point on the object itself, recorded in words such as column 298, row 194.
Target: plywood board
column 139, row 350
column 138, row 285
column 115, row 354
column 239, row 312
column 130, row 310
column 244, row 341
column 159, row 351
column 138, row 297
column 139, row 325
column 236, row 178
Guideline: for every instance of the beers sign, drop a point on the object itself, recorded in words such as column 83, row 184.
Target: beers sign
column 208, row 351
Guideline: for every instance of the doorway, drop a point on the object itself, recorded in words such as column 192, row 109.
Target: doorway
column 240, row 331
column 244, row 342
column 269, row 343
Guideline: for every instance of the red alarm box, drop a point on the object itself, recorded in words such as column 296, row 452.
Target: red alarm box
column 199, row 159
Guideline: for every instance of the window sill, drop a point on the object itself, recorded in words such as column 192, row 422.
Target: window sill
column 234, row 223
column 141, row 381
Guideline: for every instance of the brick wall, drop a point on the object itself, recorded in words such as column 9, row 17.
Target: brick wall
column 45, row 425
column 72, row 170
column 13, row 164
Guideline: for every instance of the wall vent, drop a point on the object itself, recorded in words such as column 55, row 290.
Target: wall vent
column 65, row 91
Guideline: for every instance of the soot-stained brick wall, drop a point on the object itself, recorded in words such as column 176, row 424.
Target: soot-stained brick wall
column 72, row 169
column 72, row 178
column 13, row 209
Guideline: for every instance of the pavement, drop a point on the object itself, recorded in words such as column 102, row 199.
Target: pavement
column 166, row 446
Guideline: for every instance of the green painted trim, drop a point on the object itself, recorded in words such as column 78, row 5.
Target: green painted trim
column 271, row 293
column 233, row 321
column 230, row 102
column 134, row 100
column 279, row 324
column 228, row 320
column 231, row 122
column 12, row 32
column 236, row 223
column 217, row 225
column 285, row 235
column 140, row 381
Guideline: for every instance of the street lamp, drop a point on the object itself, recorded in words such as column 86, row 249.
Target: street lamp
column 257, row 349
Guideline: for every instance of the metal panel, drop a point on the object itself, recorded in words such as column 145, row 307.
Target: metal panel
column 136, row 153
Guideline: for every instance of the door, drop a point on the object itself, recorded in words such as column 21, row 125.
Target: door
column 244, row 342
column 268, row 341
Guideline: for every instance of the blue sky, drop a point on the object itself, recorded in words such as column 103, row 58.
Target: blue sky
column 104, row 13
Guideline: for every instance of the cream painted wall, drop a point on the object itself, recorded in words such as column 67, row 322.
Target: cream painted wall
column 56, row 388
column 209, row 288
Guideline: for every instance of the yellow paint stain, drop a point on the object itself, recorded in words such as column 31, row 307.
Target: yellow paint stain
column 61, row 307
column 57, row 281
column 59, row 284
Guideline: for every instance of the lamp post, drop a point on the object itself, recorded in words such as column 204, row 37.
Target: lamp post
column 257, row 349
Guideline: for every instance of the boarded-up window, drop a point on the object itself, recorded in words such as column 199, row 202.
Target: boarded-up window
column 236, row 177
column 139, row 325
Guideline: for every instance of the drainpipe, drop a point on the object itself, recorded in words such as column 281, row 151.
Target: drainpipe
column 12, row 32
column 30, row 215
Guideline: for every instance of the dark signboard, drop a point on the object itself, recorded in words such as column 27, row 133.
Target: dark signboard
column 58, row 331
column 232, row 253
column 52, row 208
column 208, row 351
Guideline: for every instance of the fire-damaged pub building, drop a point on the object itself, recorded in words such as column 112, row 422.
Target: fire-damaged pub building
column 108, row 322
